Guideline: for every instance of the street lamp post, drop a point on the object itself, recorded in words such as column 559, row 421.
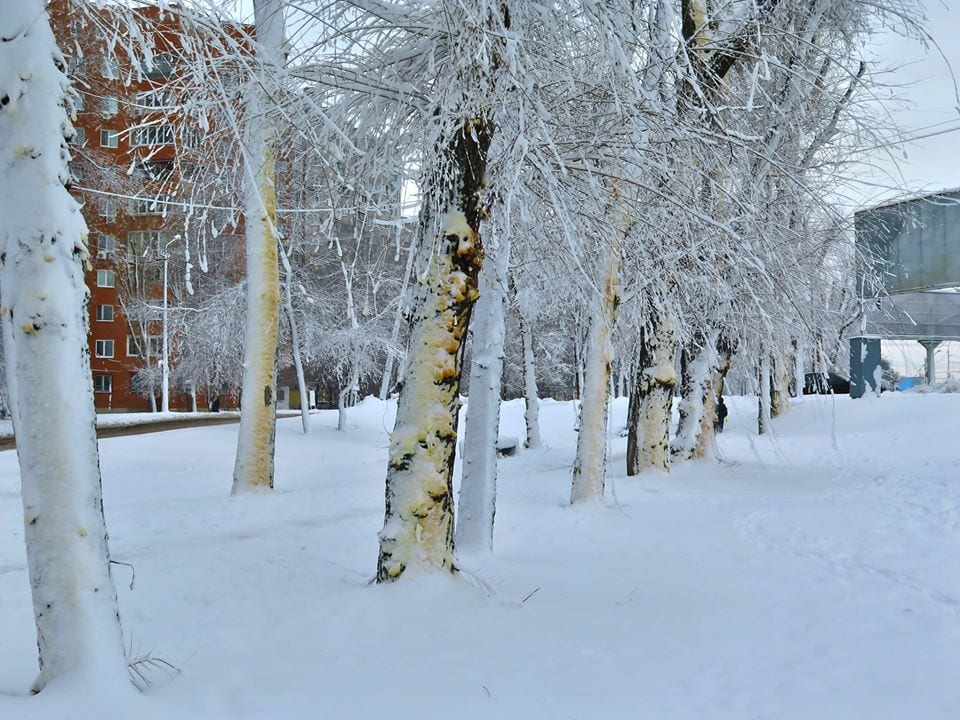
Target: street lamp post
column 165, row 349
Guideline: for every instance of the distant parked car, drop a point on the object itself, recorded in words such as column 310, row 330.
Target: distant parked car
column 817, row 384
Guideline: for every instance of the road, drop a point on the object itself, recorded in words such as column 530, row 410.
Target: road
column 9, row 443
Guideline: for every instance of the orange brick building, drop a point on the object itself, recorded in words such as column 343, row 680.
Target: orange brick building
column 126, row 170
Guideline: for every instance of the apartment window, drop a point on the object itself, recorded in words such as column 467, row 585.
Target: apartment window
column 135, row 348
column 189, row 170
column 80, row 102
column 215, row 247
column 108, row 138
column 109, row 105
column 191, row 138
column 153, row 273
column 106, row 247
column 104, row 313
column 150, row 206
column 103, row 383
column 108, row 210
column 79, row 136
column 76, row 66
column 140, row 240
column 152, row 101
column 106, row 278
column 160, row 67
column 111, row 71
column 76, row 170
column 158, row 169
column 104, row 348
column 151, row 135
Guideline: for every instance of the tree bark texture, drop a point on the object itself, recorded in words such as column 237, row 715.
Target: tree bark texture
column 726, row 348
column 763, row 404
column 256, row 438
column 418, row 527
column 780, row 400
column 589, row 465
column 648, row 439
column 531, row 395
column 696, row 389
column 43, row 253
column 478, row 486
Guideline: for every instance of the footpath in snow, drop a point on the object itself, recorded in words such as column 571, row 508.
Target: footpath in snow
column 811, row 574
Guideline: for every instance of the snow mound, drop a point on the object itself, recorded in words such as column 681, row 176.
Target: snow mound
column 947, row 386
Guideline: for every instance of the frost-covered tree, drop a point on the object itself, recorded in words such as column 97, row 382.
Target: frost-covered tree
column 42, row 257
column 419, row 522
column 257, row 436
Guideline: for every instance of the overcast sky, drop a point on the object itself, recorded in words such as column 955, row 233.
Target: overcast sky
column 922, row 79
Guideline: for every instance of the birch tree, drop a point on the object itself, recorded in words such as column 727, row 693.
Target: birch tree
column 474, row 530
column 531, row 393
column 257, row 434
column 42, row 257
column 419, row 521
column 589, row 465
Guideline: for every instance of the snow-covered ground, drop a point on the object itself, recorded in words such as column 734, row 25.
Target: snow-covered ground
column 814, row 573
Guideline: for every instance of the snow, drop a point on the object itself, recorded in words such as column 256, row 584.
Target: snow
column 947, row 386
column 812, row 573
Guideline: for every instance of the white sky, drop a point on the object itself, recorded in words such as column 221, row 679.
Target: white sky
column 921, row 78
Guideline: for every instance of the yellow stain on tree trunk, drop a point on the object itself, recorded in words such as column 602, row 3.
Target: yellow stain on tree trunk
column 255, row 463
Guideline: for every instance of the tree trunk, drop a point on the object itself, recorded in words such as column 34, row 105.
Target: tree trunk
column 478, row 486
column 395, row 332
column 799, row 376
column 42, row 258
column 344, row 394
column 419, row 518
column 763, row 404
column 589, row 465
column 696, row 390
column 531, row 395
column 578, row 362
column 193, row 398
column 780, row 400
column 295, row 341
column 648, row 440
column 725, row 351
column 256, row 439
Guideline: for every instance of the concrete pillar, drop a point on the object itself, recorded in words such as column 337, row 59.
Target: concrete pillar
column 930, row 346
column 864, row 366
